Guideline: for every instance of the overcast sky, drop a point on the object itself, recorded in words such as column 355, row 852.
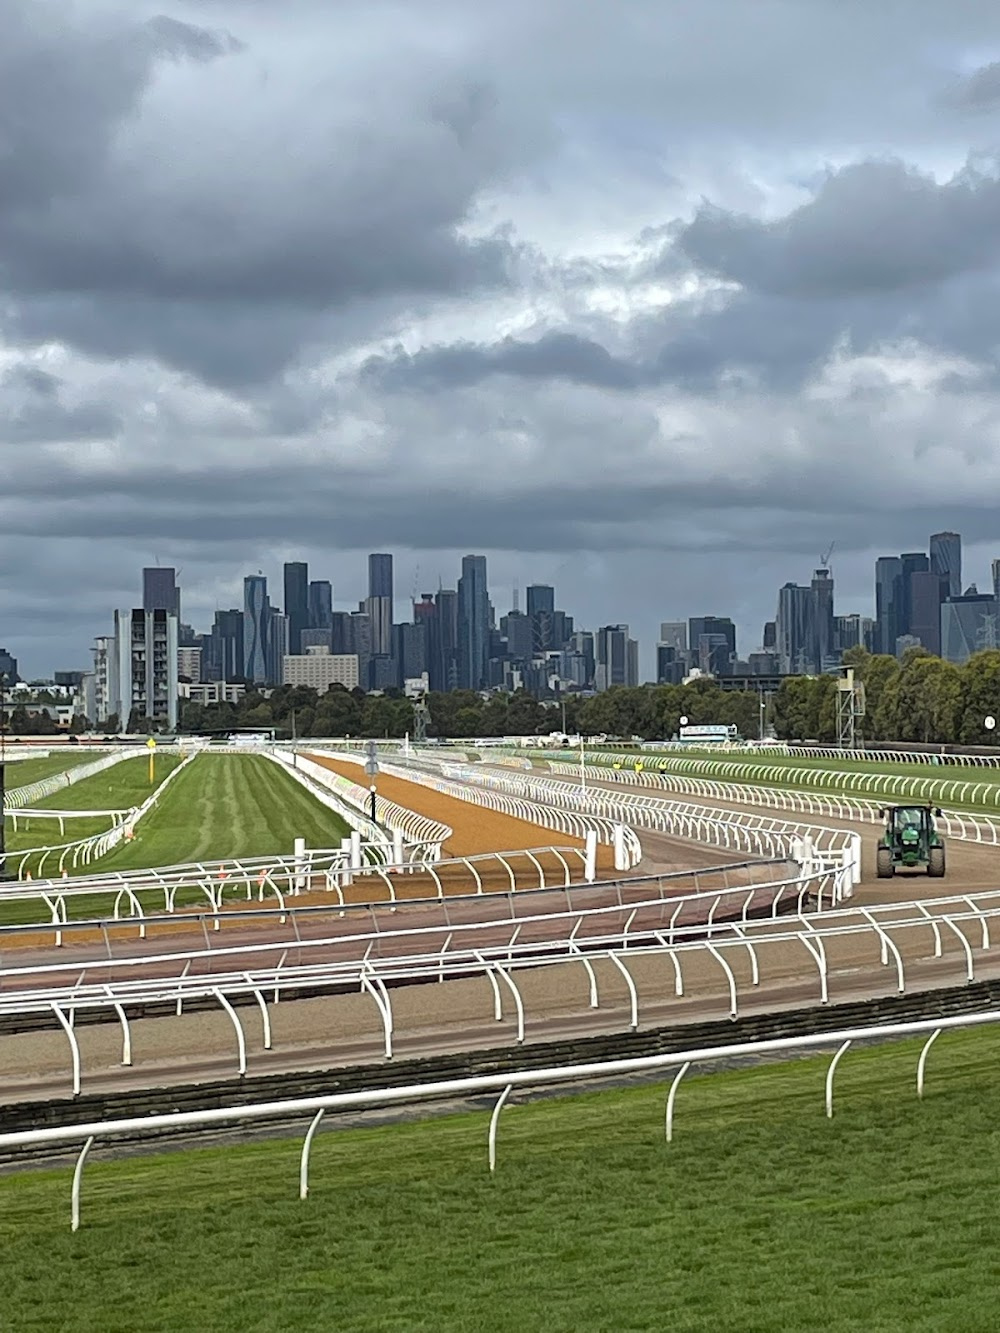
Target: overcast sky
column 653, row 300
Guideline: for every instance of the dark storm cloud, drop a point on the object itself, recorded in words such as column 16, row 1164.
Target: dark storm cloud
column 227, row 257
column 872, row 227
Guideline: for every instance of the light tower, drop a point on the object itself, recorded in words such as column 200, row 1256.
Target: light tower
column 850, row 707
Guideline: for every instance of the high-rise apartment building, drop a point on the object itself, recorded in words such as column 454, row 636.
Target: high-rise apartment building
column 296, row 603
column 223, row 655
column 379, row 603
column 946, row 560
column 473, row 624
column 160, row 591
column 822, row 648
column 143, row 669
column 256, row 614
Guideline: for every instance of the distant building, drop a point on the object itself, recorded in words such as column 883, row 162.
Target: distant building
column 617, row 658
column 473, row 624
column 319, row 670
column 142, row 671
column 320, row 604
column 189, row 664
column 8, row 668
column 946, row 561
column 379, row 603
column 296, row 602
column 968, row 625
column 160, row 591
column 256, row 614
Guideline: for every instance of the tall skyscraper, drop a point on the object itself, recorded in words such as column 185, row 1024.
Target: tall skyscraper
column 296, row 603
column 911, row 562
column 822, row 649
column 617, row 658
column 794, row 629
column 320, row 604
column 379, row 604
column 444, row 654
column 888, row 612
column 946, row 560
column 473, row 624
column 674, row 634
column 223, row 658
column 541, row 597
column 256, row 613
column 927, row 591
column 277, row 647
column 160, row 591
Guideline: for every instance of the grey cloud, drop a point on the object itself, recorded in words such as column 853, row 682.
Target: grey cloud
column 872, row 227
column 121, row 246
column 980, row 91
column 183, row 40
column 34, row 410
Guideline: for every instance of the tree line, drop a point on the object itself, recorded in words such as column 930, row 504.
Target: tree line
column 653, row 712
column 920, row 698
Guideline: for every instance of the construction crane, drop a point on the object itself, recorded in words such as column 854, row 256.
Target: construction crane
column 824, row 560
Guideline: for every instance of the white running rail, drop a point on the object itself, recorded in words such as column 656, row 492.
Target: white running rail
column 503, row 1084
column 45, row 787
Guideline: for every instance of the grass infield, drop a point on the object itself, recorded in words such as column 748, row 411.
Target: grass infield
column 762, row 1215
column 219, row 808
column 22, row 772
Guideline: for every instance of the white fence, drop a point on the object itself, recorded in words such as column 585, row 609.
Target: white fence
column 85, row 851
column 955, row 824
column 503, row 1083
column 45, row 787
column 611, row 832
column 414, row 827
column 888, row 785
column 835, row 848
column 284, row 877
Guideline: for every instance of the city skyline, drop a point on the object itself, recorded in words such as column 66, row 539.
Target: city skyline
column 348, row 577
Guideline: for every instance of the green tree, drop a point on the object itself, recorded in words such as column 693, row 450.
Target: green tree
column 981, row 677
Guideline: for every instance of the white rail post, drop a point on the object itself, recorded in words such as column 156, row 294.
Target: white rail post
column 590, row 856
column 345, row 847
column 397, row 847
column 621, row 860
column 355, row 850
column 300, row 862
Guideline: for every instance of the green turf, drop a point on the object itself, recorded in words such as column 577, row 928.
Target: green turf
column 927, row 782
column 122, row 787
column 762, row 1215
column 22, row 772
column 221, row 807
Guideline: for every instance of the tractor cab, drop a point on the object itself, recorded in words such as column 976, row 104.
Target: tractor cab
column 910, row 841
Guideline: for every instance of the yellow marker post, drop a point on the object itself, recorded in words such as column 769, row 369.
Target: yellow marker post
column 151, row 747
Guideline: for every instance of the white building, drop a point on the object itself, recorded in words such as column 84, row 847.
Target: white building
column 143, row 668
column 212, row 692
column 319, row 669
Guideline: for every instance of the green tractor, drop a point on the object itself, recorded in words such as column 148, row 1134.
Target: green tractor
column 910, row 841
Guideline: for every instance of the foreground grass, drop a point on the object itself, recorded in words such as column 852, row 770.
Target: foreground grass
column 760, row 1216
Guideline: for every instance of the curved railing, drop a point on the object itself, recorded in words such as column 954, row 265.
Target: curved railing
column 413, row 826
column 857, row 809
column 85, row 851
column 45, row 787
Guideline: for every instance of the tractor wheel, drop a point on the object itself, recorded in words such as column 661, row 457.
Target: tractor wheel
column 884, row 868
column 935, row 862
